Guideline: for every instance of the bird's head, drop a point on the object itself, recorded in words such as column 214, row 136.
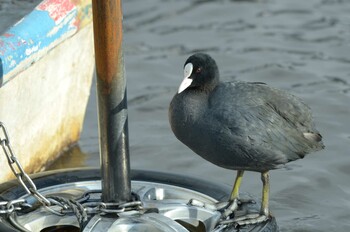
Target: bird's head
column 200, row 72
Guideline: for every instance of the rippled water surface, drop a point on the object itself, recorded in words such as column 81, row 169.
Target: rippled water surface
column 297, row 45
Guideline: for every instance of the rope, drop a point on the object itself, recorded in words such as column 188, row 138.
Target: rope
column 76, row 207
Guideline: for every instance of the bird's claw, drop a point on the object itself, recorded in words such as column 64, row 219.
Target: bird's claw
column 228, row 209
column 226, row 206
column 250, row 219
column 233, row 206
column 222, row 205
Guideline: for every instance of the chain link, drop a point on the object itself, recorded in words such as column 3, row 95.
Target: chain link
column 17, row 169
column 7, row 207
column 89, row 206
column 119, row 207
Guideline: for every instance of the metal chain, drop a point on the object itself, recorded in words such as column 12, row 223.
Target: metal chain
column 79, row 208
column 94, row 205
column 7, row 207
column 23, row 178
column 76, row 207
column 120, row 207
column 17, row 169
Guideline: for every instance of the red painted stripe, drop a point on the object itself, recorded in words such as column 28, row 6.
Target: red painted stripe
column 57, row 9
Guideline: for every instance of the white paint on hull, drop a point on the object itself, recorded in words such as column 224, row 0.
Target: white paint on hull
column 43, row 107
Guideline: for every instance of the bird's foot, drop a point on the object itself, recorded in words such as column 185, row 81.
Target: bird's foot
column 248, row 219
column 223, row 206
column 210, row 206
column 233, row 205
column 230, row 208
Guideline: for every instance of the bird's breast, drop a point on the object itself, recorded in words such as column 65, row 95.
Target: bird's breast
column 185, row 113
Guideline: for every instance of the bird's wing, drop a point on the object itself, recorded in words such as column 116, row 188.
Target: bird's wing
column 265, row 118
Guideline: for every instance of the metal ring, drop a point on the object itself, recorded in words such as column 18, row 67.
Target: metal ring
column 53, row 211
column 104, row 210
column 131, row 204
column 55, row 202
column 110, row 207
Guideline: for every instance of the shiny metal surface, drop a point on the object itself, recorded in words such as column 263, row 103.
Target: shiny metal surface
column 148, row 222
column 167, row 205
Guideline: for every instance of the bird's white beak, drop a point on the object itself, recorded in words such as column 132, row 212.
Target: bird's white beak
column 186, row 81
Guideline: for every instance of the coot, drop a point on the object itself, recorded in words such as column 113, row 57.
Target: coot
column 244, row 126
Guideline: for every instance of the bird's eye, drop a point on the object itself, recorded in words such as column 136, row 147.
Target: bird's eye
column 199, row 70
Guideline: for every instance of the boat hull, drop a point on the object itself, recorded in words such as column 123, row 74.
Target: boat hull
column 43, row 96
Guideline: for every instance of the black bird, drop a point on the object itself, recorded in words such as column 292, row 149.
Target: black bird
column 244, row 126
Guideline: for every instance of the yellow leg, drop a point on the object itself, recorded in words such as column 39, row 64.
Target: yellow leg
column 264, row 211
column 236, row 186
column 265, row 178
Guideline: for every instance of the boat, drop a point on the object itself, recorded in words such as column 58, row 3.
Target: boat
column 46, row 70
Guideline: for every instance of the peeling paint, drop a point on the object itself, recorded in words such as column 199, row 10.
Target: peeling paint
column 32, row 49
column 52, row 82
column 8, row 35
column 48, row 24
column 9, row 58
column 69, row 18
column 57, row 9
column 12, row 63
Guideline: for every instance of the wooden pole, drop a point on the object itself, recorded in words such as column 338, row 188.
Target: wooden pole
column 112, row 102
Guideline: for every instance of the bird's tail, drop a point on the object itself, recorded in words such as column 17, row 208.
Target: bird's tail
column 315, row 139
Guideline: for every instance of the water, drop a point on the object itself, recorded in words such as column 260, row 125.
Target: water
column 12, row 11
column 296, row 45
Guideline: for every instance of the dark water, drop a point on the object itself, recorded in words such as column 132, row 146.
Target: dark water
column 13, row 10
column 297, row 45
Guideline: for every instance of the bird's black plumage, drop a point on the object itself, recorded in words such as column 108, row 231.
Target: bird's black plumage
column 240, row 125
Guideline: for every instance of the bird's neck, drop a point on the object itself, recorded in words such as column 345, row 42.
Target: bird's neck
column 192, row 103
column 209, row 87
